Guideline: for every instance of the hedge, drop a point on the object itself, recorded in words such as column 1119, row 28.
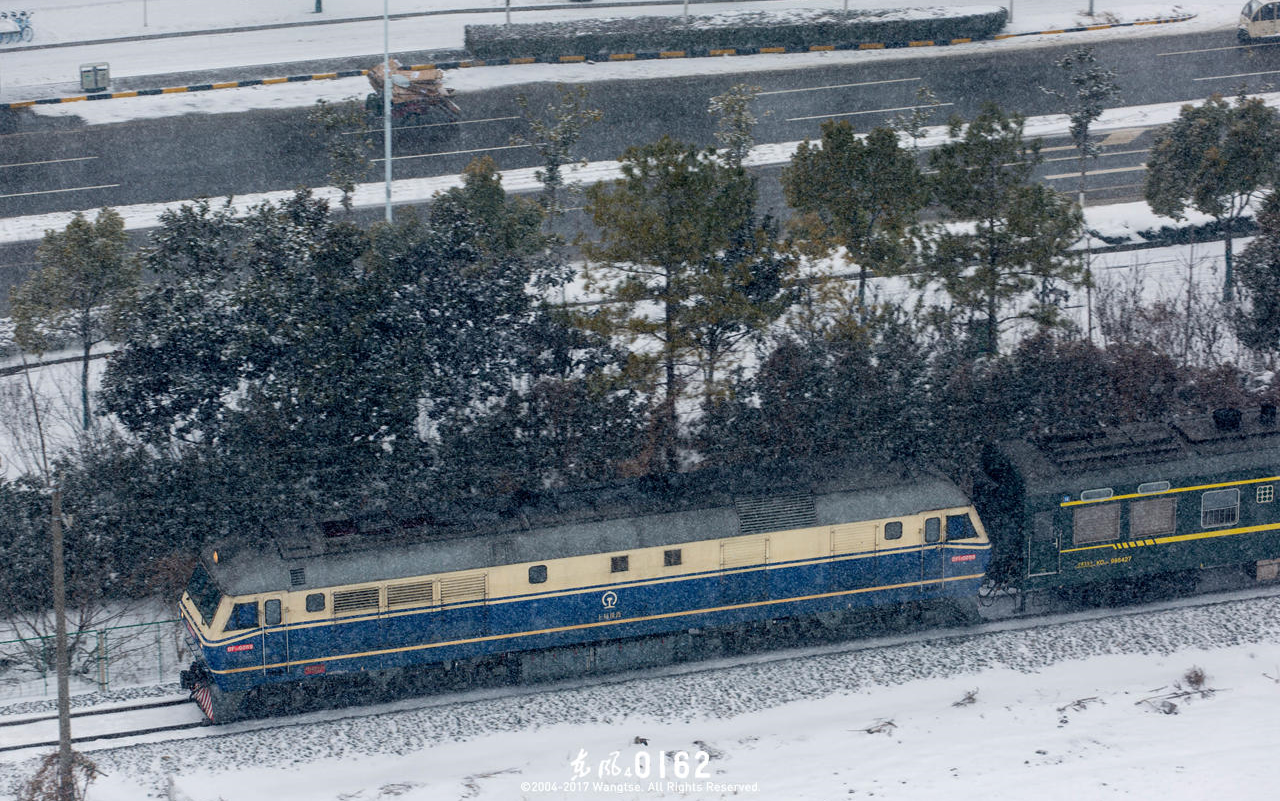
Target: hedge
column 796, row 29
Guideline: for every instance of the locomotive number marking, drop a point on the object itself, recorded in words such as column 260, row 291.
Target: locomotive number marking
column 244, row 646
column 1115, row 560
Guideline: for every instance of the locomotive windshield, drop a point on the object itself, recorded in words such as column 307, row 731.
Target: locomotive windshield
column 204, row 593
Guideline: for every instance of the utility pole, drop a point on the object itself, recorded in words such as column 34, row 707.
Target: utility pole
column 66, row 782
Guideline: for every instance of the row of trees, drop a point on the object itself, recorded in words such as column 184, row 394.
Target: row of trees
column 289, row 363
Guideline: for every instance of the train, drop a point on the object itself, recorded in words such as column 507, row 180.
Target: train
column 657, row 571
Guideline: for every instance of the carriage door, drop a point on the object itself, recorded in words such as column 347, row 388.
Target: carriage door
column 1043, row 550
column 275, row 637
column 931, row 554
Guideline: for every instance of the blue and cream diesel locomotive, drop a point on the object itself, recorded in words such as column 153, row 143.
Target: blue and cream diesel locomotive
column 541, row 598
column 630, row 580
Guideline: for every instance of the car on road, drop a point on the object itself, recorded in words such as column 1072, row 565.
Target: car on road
column 1259, row 19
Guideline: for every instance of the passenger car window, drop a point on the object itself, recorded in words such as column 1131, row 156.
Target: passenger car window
column 538, row 574
column 1100, row 523
column 1152, row 518
column 243, row 616
column 1219, row 508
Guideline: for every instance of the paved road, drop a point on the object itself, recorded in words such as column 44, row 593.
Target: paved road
column 54, row 164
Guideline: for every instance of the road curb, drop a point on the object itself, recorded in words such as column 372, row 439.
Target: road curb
column 580, row 59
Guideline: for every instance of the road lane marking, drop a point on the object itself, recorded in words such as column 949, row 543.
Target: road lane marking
column 1100, row 155
column 50, row 161
column 453, row 152
column 1240, row 75
column 873, row 111
column 1113, row 187
column 55, row 191
column 1094, row 172
column 834, row 86
column 1216, row 49
column 427, row 125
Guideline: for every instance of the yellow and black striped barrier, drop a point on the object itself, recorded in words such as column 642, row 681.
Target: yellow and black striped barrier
column 636, row 56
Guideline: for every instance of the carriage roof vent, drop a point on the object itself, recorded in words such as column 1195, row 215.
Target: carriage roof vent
column 297, row 576
column 776, row 513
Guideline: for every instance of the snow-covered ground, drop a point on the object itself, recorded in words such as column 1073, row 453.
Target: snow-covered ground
column 1092, row 709
column 1058, row 713
column 35, row 73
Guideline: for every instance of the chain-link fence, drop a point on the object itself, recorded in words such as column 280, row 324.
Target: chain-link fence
column 102, row 659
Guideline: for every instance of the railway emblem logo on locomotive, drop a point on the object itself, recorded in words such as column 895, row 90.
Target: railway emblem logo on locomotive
column 609, row 600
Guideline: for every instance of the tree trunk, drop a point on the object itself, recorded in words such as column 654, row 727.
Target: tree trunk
column 84, row 384
column 1228, row 280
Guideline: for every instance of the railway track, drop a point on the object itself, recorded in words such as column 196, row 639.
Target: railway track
column 94, row 725
column 179, row 715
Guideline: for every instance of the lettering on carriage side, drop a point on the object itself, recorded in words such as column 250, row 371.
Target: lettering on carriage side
column 244, row 646
column 964, row 557
column 1115, row 560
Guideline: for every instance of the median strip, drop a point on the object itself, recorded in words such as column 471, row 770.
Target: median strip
column 720, row 52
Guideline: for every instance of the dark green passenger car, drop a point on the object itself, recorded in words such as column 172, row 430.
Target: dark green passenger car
column 1136, row 501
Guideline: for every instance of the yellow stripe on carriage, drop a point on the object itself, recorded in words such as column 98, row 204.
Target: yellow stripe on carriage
column 1202, row 535
column 383, row 615
column 597, row 624
column 1196, row 488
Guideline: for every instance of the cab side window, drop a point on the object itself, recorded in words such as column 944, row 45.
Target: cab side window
column 960, row 527
column 271, row 612
column 933, row 530
column 243, row 616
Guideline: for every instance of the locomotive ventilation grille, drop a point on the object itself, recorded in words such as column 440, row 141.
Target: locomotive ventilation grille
column 418, row 593
column 775, row 513
column 352, row 600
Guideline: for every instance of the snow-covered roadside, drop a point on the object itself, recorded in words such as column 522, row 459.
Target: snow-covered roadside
column 418, row 190
column 37, row 73
column 1057, row 710
column 61, row 21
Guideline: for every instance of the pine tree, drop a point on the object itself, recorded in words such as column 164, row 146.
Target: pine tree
column 862, row 194
column 1014, row 260
column 683, row 266
column 339, row 126
column 735, row 122
column 1093, row 86
column 554, row 133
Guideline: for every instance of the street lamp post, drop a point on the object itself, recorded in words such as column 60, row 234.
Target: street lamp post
column 387, row 86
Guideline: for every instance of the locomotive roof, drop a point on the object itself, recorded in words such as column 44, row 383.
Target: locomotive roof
column 275, row 563
column 1178, row 451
